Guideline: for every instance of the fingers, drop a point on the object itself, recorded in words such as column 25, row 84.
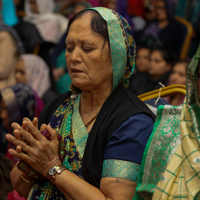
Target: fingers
column 43, row 127
column 18, row 143
column 35, row 122
column 35, row 132
column 23, row 133
column 20, row 155
column 53, row 133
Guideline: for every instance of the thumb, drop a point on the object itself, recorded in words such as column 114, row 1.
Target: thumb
column 53, row 134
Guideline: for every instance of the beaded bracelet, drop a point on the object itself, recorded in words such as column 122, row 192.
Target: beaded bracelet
column 22, row 176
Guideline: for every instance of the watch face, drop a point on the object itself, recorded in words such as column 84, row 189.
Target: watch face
column 52, row 171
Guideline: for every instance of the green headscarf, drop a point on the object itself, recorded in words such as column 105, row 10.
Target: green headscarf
column 122, row 46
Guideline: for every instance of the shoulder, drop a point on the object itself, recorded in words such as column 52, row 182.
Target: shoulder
column 51, row 107
column 129, row 140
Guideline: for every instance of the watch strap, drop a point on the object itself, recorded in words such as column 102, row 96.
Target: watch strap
column 59, row 169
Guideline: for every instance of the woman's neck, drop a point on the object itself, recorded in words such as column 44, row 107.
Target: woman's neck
column 175, row 100
column 91, row 103
column 163, row 24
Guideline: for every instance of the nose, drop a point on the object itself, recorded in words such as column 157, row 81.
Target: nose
column 17, row 76
column 75, row 55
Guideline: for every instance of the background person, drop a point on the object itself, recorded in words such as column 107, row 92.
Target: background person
column 33, row 70
column 161, row 62
column 177, row 76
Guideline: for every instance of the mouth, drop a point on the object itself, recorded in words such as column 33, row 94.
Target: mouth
column 75, row 70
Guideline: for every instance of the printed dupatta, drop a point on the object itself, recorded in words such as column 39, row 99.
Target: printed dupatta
column 171, row 162
column 74, row 134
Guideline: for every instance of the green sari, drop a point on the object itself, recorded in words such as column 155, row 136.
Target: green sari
column 171, row 162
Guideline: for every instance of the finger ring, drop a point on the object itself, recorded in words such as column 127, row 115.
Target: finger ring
column 26, row 148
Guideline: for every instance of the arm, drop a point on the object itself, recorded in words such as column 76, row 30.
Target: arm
column 21, row 186
column 42, row 155
column 74, row 187
column 7, row 56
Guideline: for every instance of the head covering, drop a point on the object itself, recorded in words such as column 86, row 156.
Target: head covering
column 122, row 46
column 20, row 102
column 122, row 9
column 50, row 25
column 37, row 73
column 9, row 12
column 170, row 8
column 44, row 7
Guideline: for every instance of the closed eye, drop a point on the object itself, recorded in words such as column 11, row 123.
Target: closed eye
column 69, row 49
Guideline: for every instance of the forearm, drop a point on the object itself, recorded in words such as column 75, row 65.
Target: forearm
column 21, row 186
column 73, row 187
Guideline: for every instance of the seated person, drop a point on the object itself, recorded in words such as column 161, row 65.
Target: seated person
column 33, row 70
column 161, row 62
column 165, row 27
column 17, row 102
column 170, row 164
column 101, row 125
column 51, row 26
column 177, row 76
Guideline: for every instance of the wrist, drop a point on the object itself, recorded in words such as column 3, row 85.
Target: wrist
column 46, row 170
column 53, row 171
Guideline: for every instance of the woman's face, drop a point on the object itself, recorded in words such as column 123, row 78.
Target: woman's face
column 178, row 74
column 142, row 59
column 20, row 72
column 4, row 115
column 161, row 13
column 158, row 66
column 88, row 56
column 33, row 6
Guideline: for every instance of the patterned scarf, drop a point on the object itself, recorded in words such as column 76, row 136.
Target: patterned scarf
column 67, row 121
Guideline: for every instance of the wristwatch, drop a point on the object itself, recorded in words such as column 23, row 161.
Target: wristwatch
column 58, row 169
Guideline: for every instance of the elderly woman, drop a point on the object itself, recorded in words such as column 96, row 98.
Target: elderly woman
column 103, row 125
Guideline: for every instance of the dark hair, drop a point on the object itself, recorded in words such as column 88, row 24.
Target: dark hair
column 168, row 56
column 186, row 62
column 98, row 24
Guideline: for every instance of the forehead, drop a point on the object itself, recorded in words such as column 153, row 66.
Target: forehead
column 180, row 66
column 156, row 53
column 143, row 51
column 81, row 29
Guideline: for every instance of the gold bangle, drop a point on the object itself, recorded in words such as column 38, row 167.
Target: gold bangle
column 24, row 178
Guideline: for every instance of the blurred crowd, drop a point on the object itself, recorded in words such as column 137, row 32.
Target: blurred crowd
column 33, row 69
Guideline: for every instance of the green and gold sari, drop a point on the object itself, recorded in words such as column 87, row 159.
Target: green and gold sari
column 171, row 162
